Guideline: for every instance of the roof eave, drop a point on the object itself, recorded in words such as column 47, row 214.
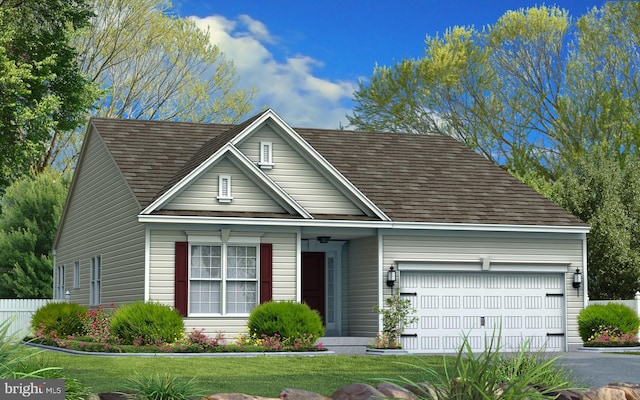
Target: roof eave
column 391, row 225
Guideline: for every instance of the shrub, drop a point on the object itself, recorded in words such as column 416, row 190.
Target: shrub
column 286, row 319
column 58, row 319
column 158, row 387
column 395, row 316
column 595, row 316
column 147, row 323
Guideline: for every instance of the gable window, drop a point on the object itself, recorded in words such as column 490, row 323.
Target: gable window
column 59, row 282
column 223, row 278
column 95, row 280
column 224, row 189
column 266, row 155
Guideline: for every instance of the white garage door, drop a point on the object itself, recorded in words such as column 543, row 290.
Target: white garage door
column 450, row 305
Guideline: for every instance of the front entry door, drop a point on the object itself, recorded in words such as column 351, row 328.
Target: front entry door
column 313, row 281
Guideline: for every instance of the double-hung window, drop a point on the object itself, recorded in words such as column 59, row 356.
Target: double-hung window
column 59, row 279
column 223, row 278
column 95, row 280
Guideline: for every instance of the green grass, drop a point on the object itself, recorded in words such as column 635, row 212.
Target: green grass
column 259, row 376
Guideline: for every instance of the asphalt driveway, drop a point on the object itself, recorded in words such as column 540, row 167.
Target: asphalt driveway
column 594, row 369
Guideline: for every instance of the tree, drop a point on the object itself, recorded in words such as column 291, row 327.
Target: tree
column 41, row 89
column 542, row 96
column 32, row 207
column 599, row 189
column 531, row 92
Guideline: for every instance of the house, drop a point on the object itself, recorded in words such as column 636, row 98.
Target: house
column 214, row 219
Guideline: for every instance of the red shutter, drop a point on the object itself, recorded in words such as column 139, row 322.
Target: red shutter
column 182, row 278
column 266, row 274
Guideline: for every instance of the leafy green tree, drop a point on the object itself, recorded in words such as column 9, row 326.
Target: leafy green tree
column 530, row 92
column 151, row 64
column 155, row 65
column 599, row 189
column 31, row 211
column 542, row 95
column 42, row 91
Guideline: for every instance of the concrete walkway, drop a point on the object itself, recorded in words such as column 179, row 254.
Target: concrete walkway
column 598, row 369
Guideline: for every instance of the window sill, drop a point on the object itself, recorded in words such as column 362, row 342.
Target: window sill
column 224, row 199
column 266, row 165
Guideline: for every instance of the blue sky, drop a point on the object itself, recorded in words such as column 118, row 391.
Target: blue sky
column 306, row 57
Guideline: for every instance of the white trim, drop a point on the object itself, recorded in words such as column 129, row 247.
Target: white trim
column 483, row 265
column 266, row 157
column 426, row 226
column 147, row 264
column 585, row 287
column 299, row 266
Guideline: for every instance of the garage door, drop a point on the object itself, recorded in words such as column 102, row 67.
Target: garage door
column 449, row 305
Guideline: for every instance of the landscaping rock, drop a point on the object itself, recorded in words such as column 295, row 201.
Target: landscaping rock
column 422, row 390
column 605, row 393
column 566, row 394
column 235, row 396
column 358, row 391
column 393, row 391
column 298, row 394
column 631, row 390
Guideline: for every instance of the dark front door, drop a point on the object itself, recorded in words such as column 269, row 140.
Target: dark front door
column 313, row 281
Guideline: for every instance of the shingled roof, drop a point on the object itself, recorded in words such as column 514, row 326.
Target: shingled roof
column 411, row 178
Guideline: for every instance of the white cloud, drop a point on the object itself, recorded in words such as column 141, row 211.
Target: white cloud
column 289, row 87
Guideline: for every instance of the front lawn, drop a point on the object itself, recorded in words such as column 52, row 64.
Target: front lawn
column 261, row 376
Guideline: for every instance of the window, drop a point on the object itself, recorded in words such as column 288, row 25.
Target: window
column 76, row 274
column 266, row 155
column 95, row 279
column 59, row 282
column 224, row 189
column 223, row 278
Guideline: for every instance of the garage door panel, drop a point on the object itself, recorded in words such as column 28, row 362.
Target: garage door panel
column 449, row 306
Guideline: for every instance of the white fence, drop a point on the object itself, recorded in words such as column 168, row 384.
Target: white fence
column 22, row 310
column 633, row 304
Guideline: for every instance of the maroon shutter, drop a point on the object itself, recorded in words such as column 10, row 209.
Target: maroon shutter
column 266, row 274
column 182, row 278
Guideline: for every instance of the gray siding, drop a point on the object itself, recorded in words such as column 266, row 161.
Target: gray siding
column 518, row 248
column 201, row 194
column 101, row 220
column 297, row 177
column 363, row 290
column 162, row 265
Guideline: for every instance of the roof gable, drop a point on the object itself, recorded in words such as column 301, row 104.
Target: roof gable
column 230, row 153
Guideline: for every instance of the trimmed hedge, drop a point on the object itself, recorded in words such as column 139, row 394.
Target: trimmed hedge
column 59, row 319
column 612, row 314
column 287, row 319
column 147, row 323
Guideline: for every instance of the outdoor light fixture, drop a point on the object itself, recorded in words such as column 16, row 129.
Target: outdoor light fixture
column 391, row 277
column 324, row 239
column 577, row 278
column 67, row 296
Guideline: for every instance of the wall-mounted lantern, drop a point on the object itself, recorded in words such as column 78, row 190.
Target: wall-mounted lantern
column 324, row 239
column 391, row 277
column 577, row 278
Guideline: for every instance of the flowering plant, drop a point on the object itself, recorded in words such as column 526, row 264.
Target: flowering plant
column 263, row 342
column 611, row 336
column 385, row 340
column 96, row 325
